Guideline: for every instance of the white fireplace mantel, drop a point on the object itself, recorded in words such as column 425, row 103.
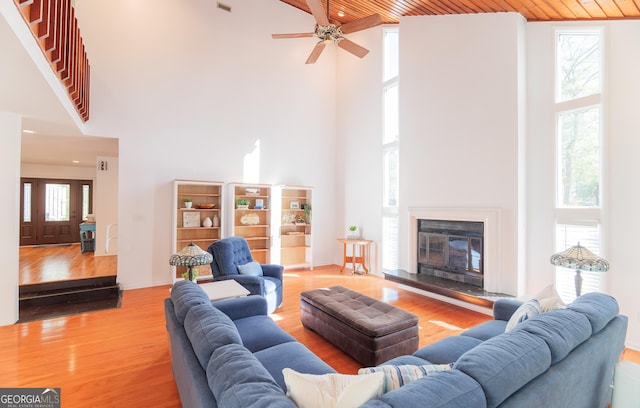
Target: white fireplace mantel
column 492, row 219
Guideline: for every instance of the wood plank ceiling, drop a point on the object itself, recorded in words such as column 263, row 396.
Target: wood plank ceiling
column 532, row 10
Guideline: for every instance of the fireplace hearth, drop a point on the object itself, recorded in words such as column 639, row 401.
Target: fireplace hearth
column 452, row 250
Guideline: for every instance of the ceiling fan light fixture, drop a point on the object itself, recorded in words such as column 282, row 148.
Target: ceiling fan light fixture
column 328, row 32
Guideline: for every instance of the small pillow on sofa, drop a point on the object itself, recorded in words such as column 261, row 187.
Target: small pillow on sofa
column 250, row 268
column 549, row 299
column 397, row 376
column 331, row 390
column 528, row 309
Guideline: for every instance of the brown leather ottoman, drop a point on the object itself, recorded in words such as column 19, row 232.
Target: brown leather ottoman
column 368, row 330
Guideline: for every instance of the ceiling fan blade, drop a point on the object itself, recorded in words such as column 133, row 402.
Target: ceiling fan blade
column 295, row 35
column 361, row 24
column 315, row 53
column 318, row 12
column 353, row 48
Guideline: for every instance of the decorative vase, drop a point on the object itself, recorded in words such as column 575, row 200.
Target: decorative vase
column 216, row 221
column 207, row 222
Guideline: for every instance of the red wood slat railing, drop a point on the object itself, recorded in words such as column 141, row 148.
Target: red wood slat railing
column 55, row 29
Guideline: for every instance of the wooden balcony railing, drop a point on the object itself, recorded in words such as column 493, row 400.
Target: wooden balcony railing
column 55, row 28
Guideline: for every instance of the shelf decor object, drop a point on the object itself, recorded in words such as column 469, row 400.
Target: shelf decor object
column 581, row 259
column 190, row 219
column 190, row 256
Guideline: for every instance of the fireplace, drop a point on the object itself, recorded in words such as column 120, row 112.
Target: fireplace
column 451, row 250
column 493, row 277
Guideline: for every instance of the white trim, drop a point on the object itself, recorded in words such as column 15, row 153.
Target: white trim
column 492, row 219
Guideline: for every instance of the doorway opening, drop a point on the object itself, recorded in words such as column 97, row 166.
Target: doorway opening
column 51, row 210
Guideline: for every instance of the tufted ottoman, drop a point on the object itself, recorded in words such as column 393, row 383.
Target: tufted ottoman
column 368, row 330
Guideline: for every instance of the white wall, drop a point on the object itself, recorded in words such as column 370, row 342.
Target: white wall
column 106, row 205
column 621, row 143
column 461, row 123
column 57, row 172
column 359, row 108
column 10, row 133
column 189, row 89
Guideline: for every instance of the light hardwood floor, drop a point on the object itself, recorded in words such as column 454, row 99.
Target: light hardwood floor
column 63, row 262
column 121, row 358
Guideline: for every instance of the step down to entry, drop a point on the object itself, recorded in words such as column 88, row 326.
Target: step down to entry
column 68, row 291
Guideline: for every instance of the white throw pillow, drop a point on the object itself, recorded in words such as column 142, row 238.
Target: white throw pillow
column 549, row 299
column 332, row 390
column 250, row 268
column 526, row 311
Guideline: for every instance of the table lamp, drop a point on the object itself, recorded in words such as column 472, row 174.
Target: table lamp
column 580, row 259
column 190, row 256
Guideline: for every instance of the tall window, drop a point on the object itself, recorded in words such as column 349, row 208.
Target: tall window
column 579, row 150
column 390, row 150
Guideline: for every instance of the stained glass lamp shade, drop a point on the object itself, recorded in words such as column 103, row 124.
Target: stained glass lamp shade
column 190, row 256
column 581, row 259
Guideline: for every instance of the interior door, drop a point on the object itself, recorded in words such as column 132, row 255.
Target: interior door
column 52, row 210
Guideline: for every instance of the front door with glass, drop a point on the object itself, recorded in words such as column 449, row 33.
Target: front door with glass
column 52, row 210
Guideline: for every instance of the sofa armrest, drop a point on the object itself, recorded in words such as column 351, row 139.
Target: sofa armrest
column 254, row 284
column 504, row 308
column 239, row 308
column 272, row 270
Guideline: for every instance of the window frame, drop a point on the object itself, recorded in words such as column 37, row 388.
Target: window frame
column 390, row 213
column 566, row 215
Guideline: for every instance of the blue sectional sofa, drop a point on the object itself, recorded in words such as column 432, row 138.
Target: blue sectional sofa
column 561, row 358
column 231, row 353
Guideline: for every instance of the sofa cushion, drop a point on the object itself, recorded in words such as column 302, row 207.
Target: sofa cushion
column 395, row 376
column 447, row 350
column 184, row 295
column 292, row 355
column 505, row 363
column 406, row 360
column 526, row 311
column 238, row 380
column 271, row 284
column 486, row 330
column 447, row 389
column 597, row 307
column 331, row 390
column 208, row 329
column 261, row 332
column 503, row 308
column 562, row 330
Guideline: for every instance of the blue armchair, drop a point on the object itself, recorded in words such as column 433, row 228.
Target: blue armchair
column 230, row 253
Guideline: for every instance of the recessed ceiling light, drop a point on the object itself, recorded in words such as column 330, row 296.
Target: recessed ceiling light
column 75, row 161
column 340, row 13
column 28, row 131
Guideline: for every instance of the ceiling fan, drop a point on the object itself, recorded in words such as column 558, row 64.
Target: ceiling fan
column 329, row 32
